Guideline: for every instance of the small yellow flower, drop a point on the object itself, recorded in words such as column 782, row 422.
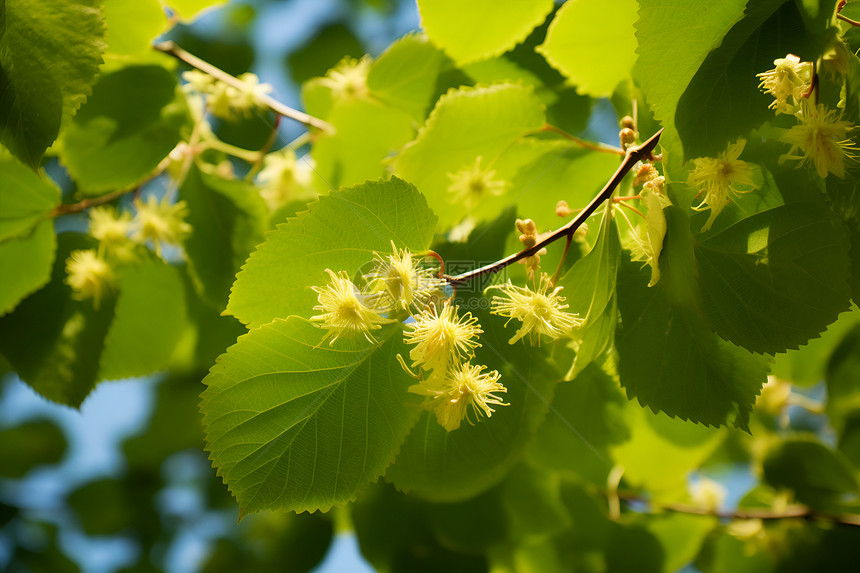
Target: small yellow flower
column 541, row 312
column 472, row 184
column 226, row 101
column 716, row 177
column 284, row 177
column 821, row 136
column 399, row 282
column 89, row 276
column 160, row 222
column 112, row 229
column 441, row 339
column 343, row 309
column 348, row 79
column 787, row 83
column 452, row 395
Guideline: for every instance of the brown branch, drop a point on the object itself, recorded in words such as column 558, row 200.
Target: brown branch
column 72, row 208
column 633, row 155
column 792, row 511
column 172, row 49
column 601, row 147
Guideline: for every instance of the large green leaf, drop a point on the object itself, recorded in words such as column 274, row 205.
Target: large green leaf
column 674, row 38
column 132, row 26
column 450, row 466
column 589, row 287
column 672, row 362
column 54, row 342
column 404, row 76
column 680, row 446
column 130, row 123
column 466, row 124
column 339, row 232
column 292, row 423
column 25, row 198
column 776, row 279
column 817, row 474
column 50, row 53
column 149, row 317
column 25, row 264
column 228, row 220
column 722, row 101
column 480, row 29
column 593, row 43
column 586, row 418
column 366, row 132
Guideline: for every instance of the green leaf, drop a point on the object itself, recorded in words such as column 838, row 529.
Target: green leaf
column 394, row 534
column 680, row 535
column 341, row 231
column 25, row 264
column 25, row 198
column 50, row 53
column 776, row 279
column 228, row 218
column 670, row 55
column 589, row 287
column 680, row 446
column 531, row 500
column 292, row 423
column 587, row 417
column 53, row 342
column 843, row 382
column 149, row 317
column 29, row 445
column 480, row 29
column 366, row 133
column 130, row 123
column 806, row 365
column 404, row 76
column 132, row 26
column 451, row 466
column 816, row 474
column 592, row 42
column 466, row 124
column 671, row 361
column 725, row 85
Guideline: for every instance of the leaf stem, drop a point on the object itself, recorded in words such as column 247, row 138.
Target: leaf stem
column 854, row 23
column 601, row 147
column 172, row 49
column 633, row 155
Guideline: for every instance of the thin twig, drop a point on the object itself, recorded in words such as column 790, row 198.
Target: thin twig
column 602, row 147
column 172, row 49
column 854, row 23
column 633, row 155
column 72, row 208
column 791, row 512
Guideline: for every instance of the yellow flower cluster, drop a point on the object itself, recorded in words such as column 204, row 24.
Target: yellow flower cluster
column 717, row 177
column 397, row 287
column 444, row 344
column 91, row 273
column 226, row 101
column 397, row 282
column 541, row 311
column 820, row 137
